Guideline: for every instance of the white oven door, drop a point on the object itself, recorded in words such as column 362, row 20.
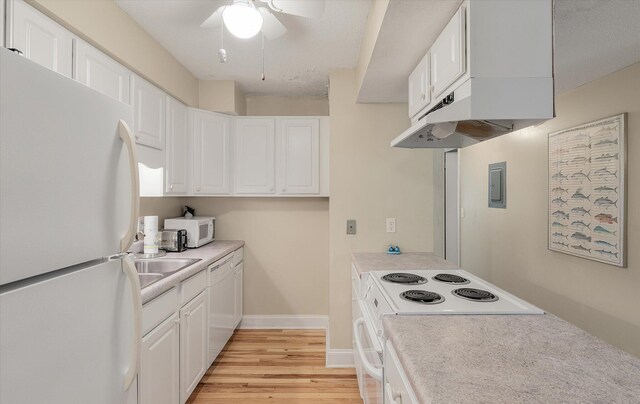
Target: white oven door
column 368, row 354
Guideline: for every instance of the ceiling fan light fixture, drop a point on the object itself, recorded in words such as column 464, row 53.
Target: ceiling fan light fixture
column 242, row 19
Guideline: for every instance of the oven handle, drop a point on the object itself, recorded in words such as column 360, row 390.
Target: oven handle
column 376, row 373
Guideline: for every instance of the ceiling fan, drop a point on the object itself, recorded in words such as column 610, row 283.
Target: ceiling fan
column 245, row 18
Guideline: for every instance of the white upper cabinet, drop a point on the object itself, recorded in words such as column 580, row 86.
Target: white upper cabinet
column 176, row 150
column 299, row 155
column 211, row 165
column 255, row 156
column 98, row 71
column 448, row 54
column 148, row 114
column 419, row 91
column 40, row 39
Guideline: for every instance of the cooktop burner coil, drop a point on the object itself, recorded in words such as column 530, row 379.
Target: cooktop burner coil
column 451, row 278
column 422, row 297
column 404, row 278
column 476, row 295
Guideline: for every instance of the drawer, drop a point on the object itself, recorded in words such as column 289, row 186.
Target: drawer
column 396, row 385
column 192, row 286
column 238, row 256
column 159, row 309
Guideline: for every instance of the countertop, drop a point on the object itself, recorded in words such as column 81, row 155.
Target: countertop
column 510, row 359
column 410, row 261
column 208, row 254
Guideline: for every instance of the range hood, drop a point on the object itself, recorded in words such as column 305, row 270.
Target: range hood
column 481, row 109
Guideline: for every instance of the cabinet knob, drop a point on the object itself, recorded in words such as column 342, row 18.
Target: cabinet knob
column 284, row 189
column 187, row 314
column 271, row 189
column 198, row 189
column 171, row 186
column 423, row 96
column 176, row 321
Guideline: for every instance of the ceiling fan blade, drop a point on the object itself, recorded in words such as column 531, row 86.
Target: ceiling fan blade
column 302, row 8
column 272, row 28
column 214, row 20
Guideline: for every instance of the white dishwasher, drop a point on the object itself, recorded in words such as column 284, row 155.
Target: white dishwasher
column 221, row 305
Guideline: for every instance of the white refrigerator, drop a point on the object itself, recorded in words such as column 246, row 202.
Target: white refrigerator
column 70, row 308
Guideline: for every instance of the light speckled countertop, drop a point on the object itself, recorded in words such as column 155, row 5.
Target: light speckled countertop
column 510, row 359
column 208, row 254
column 366, row 262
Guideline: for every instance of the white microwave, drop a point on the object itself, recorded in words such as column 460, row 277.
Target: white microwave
column 200, row 229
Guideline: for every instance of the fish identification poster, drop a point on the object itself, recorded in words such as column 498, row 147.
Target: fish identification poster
column 586, row 190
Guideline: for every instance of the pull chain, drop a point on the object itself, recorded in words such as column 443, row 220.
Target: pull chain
column 263, row 57
column 222, row 53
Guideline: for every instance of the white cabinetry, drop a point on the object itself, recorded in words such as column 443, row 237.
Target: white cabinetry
column 193, row 344
column 255, row 156
column 98, row 71
column 211, row 164
column 148, row 114
column 419, row 83
column 39, row 38
column 160, row 364
column 298, row 156
column 176, row 178
column 448, row 54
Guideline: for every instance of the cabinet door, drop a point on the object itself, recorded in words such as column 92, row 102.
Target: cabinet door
column 148, row 114
column 193, row 344
column 210, row 153
column 419, row 94
column 159, row 376
column 255, row 156
column 239, row 270
column 176, row 147
column 96, row 70
column 41, row 39
column 448, row 54
column 299, row 155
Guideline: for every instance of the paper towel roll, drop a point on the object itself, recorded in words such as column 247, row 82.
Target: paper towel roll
column 151, row 234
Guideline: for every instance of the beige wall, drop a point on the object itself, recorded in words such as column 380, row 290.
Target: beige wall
column 286, row 251
column 370, row 181
column 509, row 246
column 103, row 24
column 165, row 207
column 282, row 106
column 223, row 96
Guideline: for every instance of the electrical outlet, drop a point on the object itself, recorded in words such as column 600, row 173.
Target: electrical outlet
column 391, row 225
column 351, row 226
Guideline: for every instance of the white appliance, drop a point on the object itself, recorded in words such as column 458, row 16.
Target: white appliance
column 201, row 230
column 421, row 292
column 71, row 311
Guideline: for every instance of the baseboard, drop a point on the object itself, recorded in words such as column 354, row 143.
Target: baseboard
column 339, row 358
column 284, row 322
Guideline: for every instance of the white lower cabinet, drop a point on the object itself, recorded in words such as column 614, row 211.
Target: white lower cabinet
column 160, row 365
column 397, row 389
column 193, row 344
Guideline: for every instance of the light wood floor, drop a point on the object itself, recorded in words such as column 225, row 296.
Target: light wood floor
column 275, row 366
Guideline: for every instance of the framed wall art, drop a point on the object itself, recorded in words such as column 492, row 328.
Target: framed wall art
column 587, row 167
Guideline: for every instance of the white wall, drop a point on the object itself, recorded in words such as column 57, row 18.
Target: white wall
column 369, row 182
column 509, row 246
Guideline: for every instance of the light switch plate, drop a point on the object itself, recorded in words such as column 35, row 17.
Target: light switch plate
column 351, row 226
column 391, row 225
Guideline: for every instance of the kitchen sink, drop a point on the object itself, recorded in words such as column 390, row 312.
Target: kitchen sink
column 163, row 266
column 148, row 279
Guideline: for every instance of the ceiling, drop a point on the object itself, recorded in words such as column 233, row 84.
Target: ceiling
column 296, row 64
column 592, row 39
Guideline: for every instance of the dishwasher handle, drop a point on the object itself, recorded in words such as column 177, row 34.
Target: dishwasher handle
column 373, row 371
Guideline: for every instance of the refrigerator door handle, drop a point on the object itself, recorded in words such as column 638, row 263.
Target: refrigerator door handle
column 128, row 267
column 129, row 141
